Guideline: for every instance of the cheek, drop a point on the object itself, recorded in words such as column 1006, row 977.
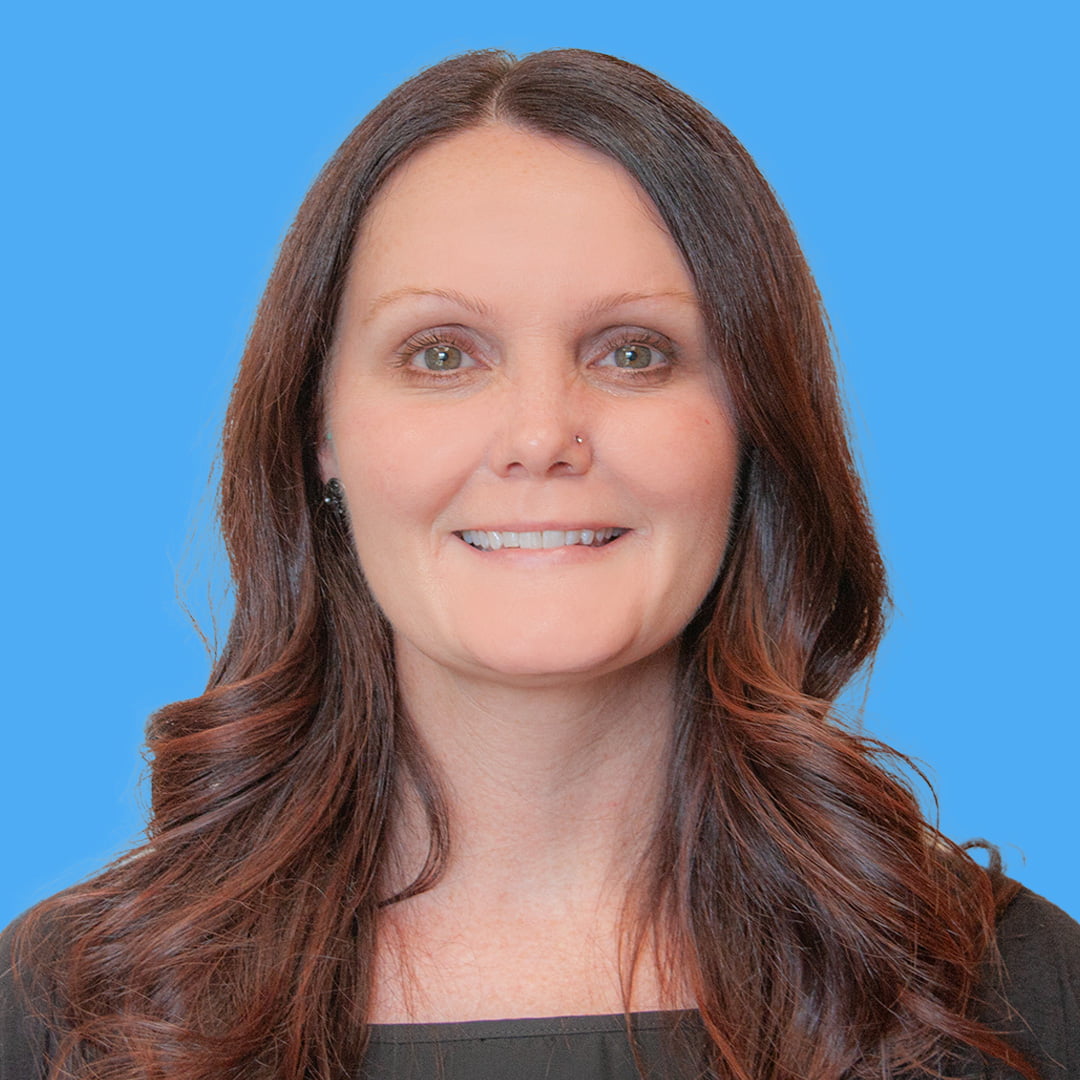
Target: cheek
column 689, row 464
column 403, row 465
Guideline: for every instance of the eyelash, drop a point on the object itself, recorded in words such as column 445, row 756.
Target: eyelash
column 450, row 336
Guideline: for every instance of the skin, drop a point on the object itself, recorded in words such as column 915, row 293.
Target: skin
column 540, row 681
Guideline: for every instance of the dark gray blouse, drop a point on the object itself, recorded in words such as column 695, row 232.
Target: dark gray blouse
column 1037, row 1008
column 549, row 1048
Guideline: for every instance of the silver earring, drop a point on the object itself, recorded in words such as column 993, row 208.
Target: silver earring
column 333, row 496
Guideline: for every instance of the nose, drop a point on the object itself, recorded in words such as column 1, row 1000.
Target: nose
column 542, row 429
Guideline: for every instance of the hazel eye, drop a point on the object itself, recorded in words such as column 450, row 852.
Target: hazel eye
column 636, row 356
column 441, row 358
column 633, row 356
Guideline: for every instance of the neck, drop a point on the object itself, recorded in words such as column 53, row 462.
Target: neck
column 550, row 790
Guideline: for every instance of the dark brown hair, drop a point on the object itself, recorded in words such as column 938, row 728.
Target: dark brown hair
column 829, row 931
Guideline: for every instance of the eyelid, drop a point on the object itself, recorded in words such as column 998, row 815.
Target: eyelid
column 609, row 341
column 620, row 337
column 437, row 335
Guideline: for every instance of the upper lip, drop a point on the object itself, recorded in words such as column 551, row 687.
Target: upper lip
column 541, row 527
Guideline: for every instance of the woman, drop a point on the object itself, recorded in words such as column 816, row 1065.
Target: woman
column 550, row 563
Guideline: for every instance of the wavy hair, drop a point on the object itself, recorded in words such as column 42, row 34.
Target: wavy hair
column 828, row 930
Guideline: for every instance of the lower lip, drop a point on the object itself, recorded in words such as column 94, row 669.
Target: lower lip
column 567, row 553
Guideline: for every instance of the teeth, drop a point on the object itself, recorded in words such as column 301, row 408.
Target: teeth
column 548, row 538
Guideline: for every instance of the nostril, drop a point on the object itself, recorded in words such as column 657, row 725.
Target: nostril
column 553, row 449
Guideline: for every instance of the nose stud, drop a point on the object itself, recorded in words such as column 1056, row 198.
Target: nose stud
column 579, row 439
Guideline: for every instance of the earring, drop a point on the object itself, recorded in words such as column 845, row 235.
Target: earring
column 333, row 496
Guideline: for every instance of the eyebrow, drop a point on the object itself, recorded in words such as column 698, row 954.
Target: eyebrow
column 408, row 291
column 597, row 307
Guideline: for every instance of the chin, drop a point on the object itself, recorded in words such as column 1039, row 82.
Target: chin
column 534, row 660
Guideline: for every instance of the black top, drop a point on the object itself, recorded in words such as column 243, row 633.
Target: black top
column 1039, row 1012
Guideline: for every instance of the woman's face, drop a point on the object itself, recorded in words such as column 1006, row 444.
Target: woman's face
column 520, row 365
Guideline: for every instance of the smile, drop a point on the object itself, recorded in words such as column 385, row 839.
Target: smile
column 496, row 540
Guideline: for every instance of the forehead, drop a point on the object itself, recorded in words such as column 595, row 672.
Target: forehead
column 517, row 218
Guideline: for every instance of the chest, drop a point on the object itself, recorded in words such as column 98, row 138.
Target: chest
column 453, row 970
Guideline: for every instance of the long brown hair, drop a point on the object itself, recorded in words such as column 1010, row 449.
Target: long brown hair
column 828, row 930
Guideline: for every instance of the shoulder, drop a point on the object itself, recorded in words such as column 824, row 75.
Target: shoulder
column 24, row 1039
column 1033, row 996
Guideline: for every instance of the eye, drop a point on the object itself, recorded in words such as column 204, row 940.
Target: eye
column 441, row 358
column 638, row 350
column 634, row 356
column 436, row 352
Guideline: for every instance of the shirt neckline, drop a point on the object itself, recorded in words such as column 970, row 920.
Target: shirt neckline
column 528, row 1026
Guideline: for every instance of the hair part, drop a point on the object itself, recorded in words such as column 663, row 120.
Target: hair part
column 828, row 929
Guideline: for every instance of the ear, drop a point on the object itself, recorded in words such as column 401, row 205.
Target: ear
column 328, row 463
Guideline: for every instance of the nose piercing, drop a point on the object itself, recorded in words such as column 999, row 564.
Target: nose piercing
column 579, row 439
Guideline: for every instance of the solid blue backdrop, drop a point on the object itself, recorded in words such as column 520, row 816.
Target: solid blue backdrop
column 159, row 154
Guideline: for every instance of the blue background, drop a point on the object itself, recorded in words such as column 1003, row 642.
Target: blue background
column 159, row 154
